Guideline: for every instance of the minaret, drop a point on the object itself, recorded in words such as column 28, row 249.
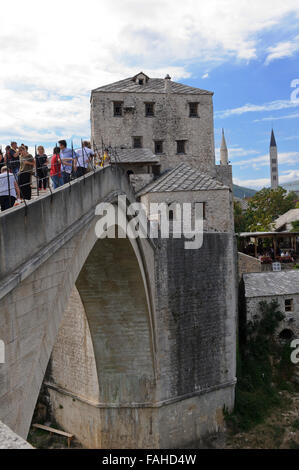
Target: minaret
column 223, row 151
column 273, row 162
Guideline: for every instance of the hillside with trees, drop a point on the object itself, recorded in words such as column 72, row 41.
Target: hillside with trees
column 263, row 209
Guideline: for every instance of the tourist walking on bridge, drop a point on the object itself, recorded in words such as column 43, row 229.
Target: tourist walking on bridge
column 9, row 189
column 85, row 155
column 67, row 157
column 26, row 169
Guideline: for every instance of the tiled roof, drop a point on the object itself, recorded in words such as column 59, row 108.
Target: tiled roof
column 271, row 283
column 243, row 203
column 183, row 178
column 287, row 218
column 153, row 85
column 135, row 156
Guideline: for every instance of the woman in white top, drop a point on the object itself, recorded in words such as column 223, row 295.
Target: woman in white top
column 9, row 189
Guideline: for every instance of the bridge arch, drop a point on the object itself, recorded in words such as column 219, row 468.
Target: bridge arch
column 162, row 399
column 112, row 279
column 110, row 304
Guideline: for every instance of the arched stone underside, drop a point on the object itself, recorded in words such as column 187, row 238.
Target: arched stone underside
column 112, row 298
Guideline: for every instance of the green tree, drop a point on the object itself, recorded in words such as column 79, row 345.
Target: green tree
column 295, row 226
column 240, row 218
column 266, row 206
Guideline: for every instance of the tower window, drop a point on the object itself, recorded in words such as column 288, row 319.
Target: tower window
column 158, row 146
column 137, row 142
column 118, row 108
column 181, row 146
column 274, row 168
column 289, row 305
column 274, row 178
column 149, row 109
column 274, row 161
column 193, row 109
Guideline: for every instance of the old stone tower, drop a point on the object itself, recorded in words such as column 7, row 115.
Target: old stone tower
column 173, row 120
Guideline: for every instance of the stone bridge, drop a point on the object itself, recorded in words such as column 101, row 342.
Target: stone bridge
column 132, row 341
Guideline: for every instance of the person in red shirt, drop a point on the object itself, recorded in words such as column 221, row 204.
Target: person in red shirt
column 55, row 171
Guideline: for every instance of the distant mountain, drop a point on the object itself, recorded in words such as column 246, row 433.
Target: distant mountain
column 292, row 186
column 241, row 192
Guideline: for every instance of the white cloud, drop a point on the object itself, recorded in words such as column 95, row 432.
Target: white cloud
column 205, row 75
column 278, row 118
column 235, row 152
column 58, row 49
column 253, row 183
column 258, row 183
column 257, row 108
column 284, row 158
column 282, row 49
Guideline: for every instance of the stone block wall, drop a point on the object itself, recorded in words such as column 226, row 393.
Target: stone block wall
column 196, row 314
column 170, row 123
column 218, row 206
column 291, row 320
column 248, row 264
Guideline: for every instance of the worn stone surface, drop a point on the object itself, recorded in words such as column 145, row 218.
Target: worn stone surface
column 218, row 206
column 10, row 440
column 248, row 264
column 225, row 175
column 204, row 315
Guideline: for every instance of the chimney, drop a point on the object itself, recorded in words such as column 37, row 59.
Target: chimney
column 167, row 81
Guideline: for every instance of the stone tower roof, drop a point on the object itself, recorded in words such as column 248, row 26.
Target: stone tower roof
column 270, row 283
column 273, row 141
column 150, row 85
column 182, row 178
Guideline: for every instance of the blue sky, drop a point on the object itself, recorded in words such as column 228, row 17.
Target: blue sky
column 246, row 52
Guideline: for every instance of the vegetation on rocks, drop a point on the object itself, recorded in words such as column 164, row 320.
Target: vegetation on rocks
column 264, row 369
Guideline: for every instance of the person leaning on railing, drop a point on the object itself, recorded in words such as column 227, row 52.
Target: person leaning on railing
column 26, row 169
column 42, row 168
column 14, row 158
column 9, row 189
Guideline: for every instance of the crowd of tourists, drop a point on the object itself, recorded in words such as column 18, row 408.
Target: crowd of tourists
column 17, row 166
